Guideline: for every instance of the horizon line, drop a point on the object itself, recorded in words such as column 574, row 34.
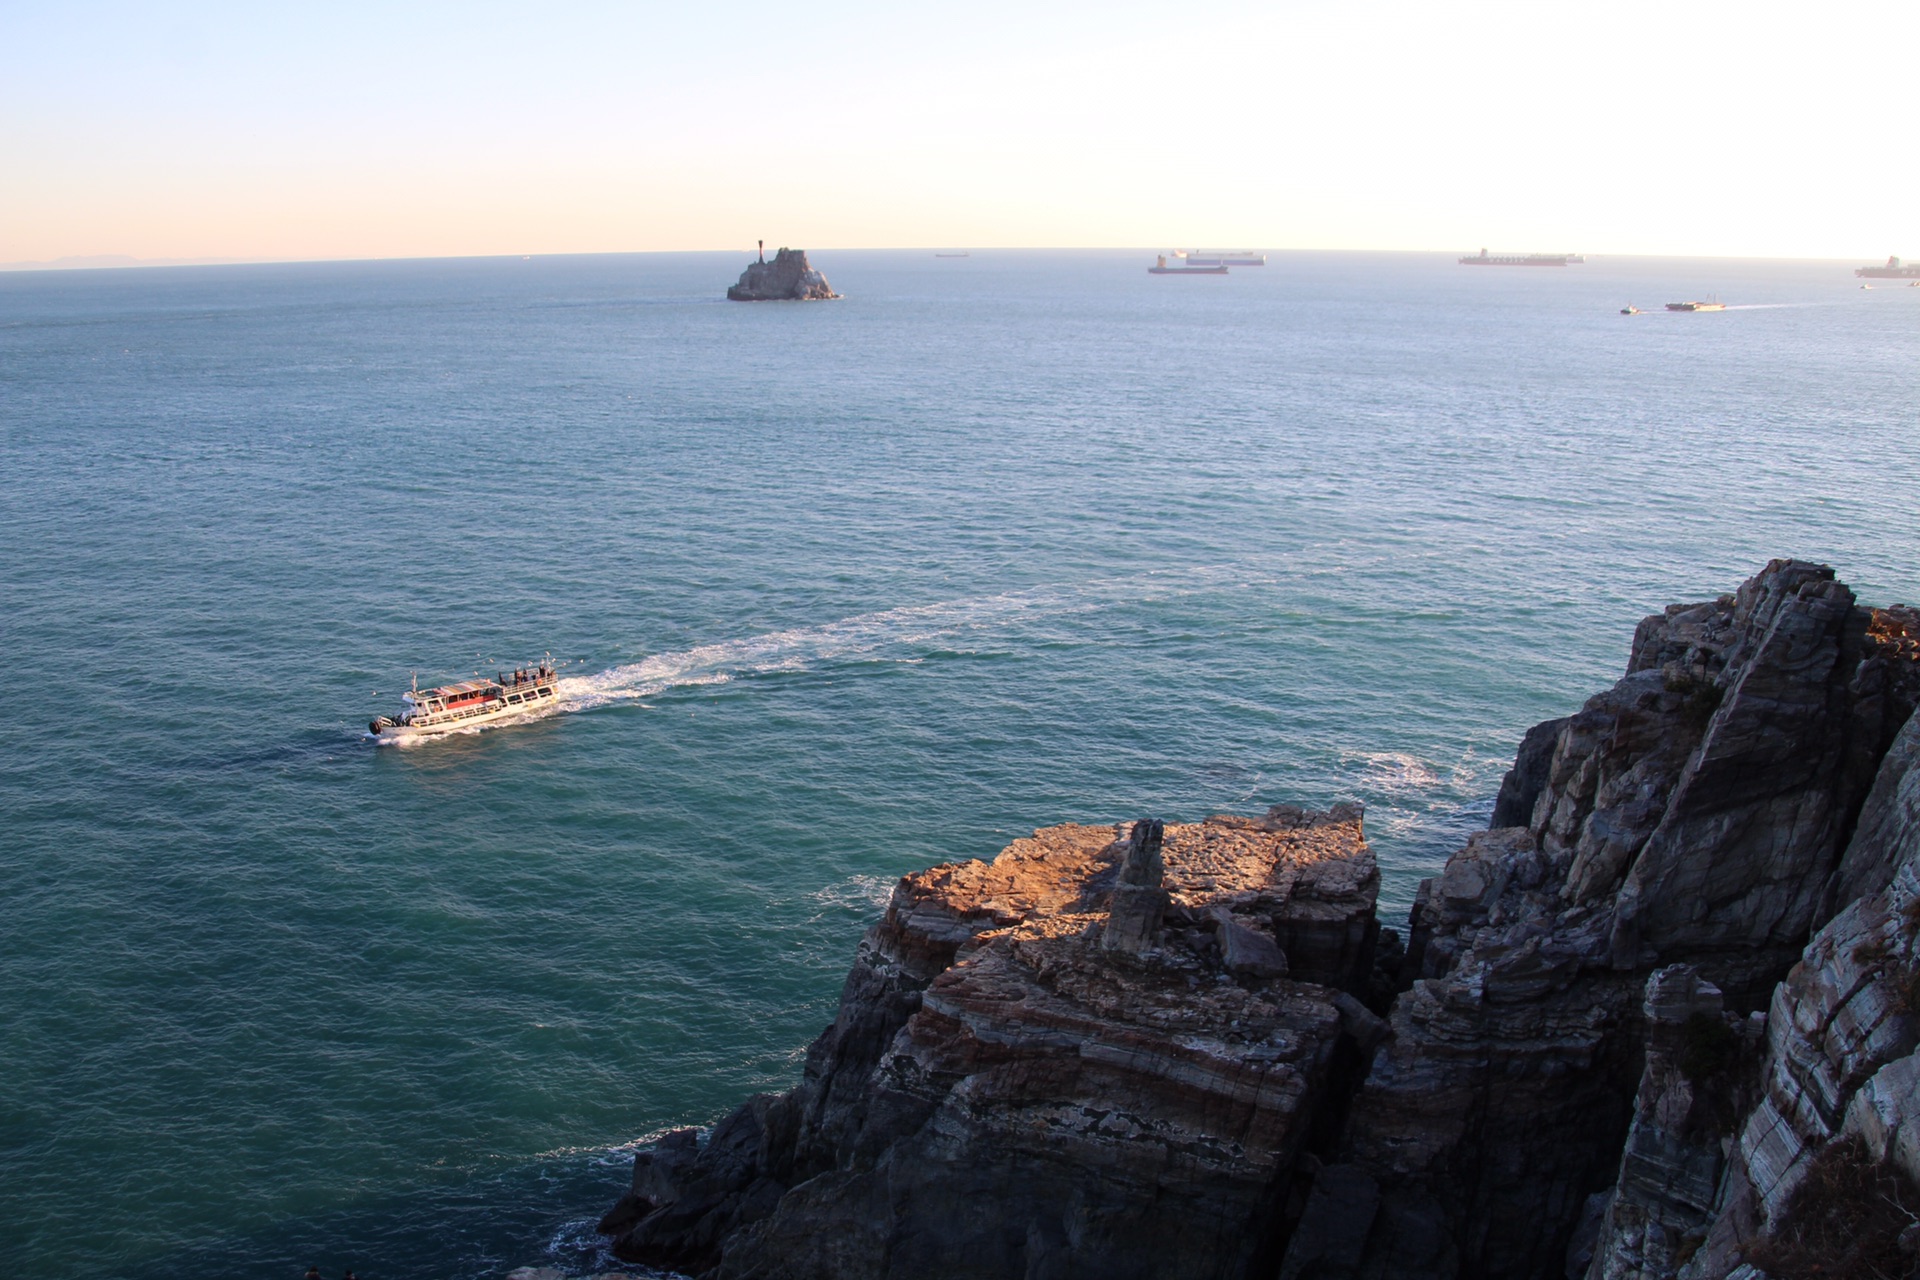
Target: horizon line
column 126, row 262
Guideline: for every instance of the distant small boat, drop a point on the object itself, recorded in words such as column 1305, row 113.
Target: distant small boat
column 1629, row 310
column 953, row 255
column 1160, row 268
column 1696, row 306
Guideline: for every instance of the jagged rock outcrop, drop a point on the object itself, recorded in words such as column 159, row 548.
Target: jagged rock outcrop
column 1694, row 812
column 788, row 278
column 1023, row 1079
column 1673, row 988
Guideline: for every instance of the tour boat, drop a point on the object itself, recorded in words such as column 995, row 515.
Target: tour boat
column 470, row 703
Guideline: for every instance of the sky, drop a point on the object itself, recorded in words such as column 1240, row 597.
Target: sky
column 259, row 131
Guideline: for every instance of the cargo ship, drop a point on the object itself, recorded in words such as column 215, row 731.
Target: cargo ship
column 1696, row 306
column 1227, row 258
column 470, row 703
column 1485, row 259
column 1160, row 268
column 1894, row 270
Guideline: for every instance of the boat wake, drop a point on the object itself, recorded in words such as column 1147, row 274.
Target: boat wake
column 890, row 635
column 906, row 635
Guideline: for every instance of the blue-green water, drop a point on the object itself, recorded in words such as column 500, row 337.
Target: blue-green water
column 843, row 590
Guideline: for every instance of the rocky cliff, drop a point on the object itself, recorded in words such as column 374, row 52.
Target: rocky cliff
column 1694, row 813
column 1637, row 1028
column 1106, row 1053
column 788, row 278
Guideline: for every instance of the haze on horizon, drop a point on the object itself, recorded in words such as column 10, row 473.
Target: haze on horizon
column 222, row 131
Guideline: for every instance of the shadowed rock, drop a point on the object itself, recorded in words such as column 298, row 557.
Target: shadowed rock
column 1520, row 789
column 1694, row 813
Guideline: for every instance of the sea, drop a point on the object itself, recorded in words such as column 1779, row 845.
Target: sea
column 837, row 590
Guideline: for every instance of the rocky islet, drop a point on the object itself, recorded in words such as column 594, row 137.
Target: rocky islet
column 788, row 278
column 1627, row 1020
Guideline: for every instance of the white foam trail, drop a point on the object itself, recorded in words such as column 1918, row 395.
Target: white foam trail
column 887, row 635
column 892, row 634
column 882, row 635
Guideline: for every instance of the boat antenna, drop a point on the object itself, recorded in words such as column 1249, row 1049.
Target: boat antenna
column 416, row 682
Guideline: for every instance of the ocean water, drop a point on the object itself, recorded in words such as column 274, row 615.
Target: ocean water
column 842, row 590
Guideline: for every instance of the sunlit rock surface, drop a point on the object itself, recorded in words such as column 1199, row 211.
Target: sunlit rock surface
column 1007, row 1091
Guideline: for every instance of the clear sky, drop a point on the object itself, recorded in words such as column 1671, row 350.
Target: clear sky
column 201, row 130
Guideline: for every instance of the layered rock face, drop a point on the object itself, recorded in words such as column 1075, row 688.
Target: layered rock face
column 788, row 278
column 1105, row 1053
column 1841, row 1033
column 1695, row 812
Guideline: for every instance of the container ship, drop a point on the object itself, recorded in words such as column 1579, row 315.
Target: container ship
column 1485, row 259
column 470, row 703
column 1894, row 270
